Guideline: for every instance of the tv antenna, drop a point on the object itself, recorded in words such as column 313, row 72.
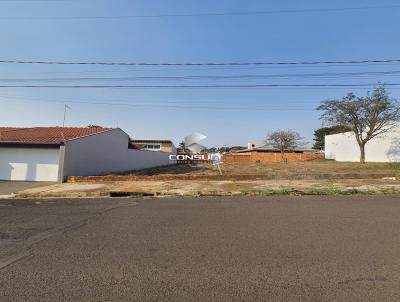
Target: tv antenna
column 65, row 113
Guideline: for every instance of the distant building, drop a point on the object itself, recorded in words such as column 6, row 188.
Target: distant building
column 154, row 145
column 255, row 145
column 268, row 155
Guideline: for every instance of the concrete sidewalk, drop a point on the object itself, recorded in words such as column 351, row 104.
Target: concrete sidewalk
column 215, row 188
column 8, row 188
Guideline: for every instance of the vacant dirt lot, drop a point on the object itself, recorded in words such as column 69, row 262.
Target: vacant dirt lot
column 218, row 188
column 320, row 177
column 323, row 167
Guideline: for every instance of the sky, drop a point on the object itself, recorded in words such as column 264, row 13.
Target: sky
column 189, row 31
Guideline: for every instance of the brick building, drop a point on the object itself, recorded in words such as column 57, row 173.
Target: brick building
column 268, row 155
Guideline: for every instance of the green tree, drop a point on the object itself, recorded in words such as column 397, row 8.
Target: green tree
column 368, row 117
column 319, row 135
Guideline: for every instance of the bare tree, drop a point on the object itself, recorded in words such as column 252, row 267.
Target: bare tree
column 368, row 117
column 284, row 140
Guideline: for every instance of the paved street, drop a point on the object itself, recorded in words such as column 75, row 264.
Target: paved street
column 202, row 249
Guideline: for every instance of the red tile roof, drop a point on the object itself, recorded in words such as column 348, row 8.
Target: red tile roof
column 149, row 141
column 46, row 135
column 7, row 128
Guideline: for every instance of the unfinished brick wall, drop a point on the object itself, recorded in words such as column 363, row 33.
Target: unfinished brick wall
column 271, row 157
column 237, row 158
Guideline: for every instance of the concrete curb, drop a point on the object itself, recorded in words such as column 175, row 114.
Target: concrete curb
column 61, row 195
column 269, row 192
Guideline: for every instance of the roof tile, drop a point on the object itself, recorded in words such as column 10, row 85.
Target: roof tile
column 46, row 135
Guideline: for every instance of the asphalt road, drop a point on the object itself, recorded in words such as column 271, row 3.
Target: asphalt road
column 215, row 249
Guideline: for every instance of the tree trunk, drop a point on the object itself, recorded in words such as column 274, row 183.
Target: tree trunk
column 282, row 156
column 362, row 153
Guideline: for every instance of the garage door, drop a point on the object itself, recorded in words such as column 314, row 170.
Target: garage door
column 29, row 164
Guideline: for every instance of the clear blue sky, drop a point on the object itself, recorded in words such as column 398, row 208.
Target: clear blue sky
column 227, row 116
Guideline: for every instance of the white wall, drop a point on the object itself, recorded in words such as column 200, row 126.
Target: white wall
column 344, row 147
column 107, row 152
column 174, row 150
column 29, row 164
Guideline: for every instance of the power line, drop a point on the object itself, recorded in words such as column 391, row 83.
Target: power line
column 202, row 77
column 172, row 101
column 212, row 68
column 199, row 64
column 199, row 86
column 174, row 106
column 210, row 14
column 35, row 0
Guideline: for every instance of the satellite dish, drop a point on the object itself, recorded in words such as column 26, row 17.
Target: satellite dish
column 191, row 142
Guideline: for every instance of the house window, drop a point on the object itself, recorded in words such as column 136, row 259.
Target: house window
column 152, row 147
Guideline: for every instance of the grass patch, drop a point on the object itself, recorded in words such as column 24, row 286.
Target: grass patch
column 376, row 166
column 268, row 192
column 355, row 191
column 389, row 191
column 214, row 190
column 280, row 191
column 392, row 166
column 325, row 191
column 333, row 191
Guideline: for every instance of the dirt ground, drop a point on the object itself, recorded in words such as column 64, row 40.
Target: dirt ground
column 370, row 178
column 326, row 166
column 229, row 187
column 257, row 186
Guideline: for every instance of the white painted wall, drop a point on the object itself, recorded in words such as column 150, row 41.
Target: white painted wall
column 344, row 147
column 107, row 152
column 29, row 164
column 174, row 150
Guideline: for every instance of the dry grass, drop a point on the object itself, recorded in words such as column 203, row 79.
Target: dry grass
column 323, row 167
column 217, row 188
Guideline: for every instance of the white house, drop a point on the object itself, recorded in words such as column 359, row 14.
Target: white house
column 344, row 147
column 51, row 153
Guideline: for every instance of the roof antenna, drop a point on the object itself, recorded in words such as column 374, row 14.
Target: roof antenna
column 65, row 113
